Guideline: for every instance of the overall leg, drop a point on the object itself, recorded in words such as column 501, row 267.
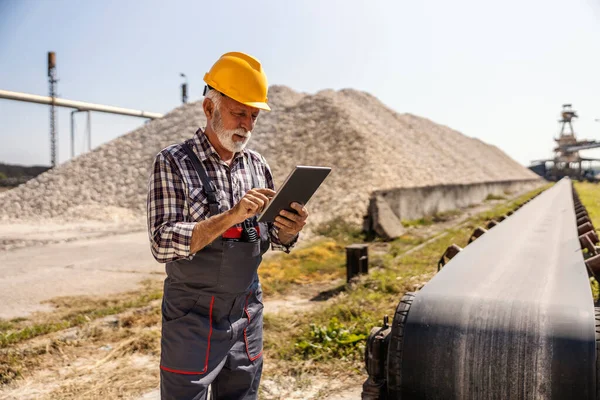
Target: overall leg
column 174, row 386
column 240, row 378
column 179, row 387
column 194, row 345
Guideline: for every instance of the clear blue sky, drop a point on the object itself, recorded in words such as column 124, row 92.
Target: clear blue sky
column 498, row 71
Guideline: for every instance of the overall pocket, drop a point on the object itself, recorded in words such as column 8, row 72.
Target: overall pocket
column 177, row 301
column 195, row 343
column 185, row 341
column 253, row 333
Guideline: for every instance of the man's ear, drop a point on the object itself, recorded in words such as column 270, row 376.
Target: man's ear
column 209, row 107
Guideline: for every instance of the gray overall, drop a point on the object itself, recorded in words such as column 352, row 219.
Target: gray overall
column 212, row 316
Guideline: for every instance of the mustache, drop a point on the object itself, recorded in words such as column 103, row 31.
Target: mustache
column 241, row 132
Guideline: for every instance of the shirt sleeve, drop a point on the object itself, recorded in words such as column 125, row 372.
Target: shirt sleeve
column 273, row 230
column 170, row 236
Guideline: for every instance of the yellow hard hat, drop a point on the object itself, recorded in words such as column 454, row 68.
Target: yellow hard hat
column 241, row 77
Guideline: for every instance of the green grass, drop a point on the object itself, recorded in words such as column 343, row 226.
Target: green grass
column 589, row 194
column 424, row 221
column 331, row 341
column 595, row 289
column 492, row 196
column 6, row 325
column 322, row 261
column 433, row 219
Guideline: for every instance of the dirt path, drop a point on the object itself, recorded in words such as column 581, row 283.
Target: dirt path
column 73, row 260
column 101, row 266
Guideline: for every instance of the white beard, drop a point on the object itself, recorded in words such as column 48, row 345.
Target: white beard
column 226, row 136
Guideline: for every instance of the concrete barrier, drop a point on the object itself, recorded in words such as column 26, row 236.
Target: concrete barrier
column 418, row 202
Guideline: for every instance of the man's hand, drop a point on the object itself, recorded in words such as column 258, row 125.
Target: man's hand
column 289, row 223
column 253, row 202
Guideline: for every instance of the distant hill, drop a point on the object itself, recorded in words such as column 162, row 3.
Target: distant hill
column 13, row 175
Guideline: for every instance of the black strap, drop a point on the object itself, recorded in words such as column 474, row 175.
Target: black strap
column 255, row 182
column 250, row 223
column 209, row 188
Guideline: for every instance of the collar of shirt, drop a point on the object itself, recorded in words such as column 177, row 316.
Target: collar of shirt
column 205, row 149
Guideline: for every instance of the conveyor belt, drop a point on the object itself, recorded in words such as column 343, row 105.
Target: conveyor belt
column 509, row 317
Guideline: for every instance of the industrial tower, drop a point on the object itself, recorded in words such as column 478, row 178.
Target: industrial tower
column 567, row 161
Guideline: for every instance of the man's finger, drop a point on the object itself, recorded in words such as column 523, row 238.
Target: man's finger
column 255, row 200
column 285, row 222
column 267, row 192
column 259, row 195
column 283, row 228
column 290, row 215
column 302, row 211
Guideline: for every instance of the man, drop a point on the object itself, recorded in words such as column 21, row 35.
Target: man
column 203, row 198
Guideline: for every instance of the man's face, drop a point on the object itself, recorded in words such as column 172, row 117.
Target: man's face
column 233, row 122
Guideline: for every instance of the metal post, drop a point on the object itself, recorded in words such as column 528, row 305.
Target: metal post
column 357, row 260
column 73, row 133
column 89, row 130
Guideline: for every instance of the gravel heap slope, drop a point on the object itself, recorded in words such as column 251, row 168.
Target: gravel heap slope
column 368, row 145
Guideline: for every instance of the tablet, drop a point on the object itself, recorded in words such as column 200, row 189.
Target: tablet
column 299, row 187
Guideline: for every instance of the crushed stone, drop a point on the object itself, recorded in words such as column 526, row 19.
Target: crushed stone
column 368, row 145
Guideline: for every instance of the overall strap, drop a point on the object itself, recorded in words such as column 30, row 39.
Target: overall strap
column 209, row 188
column 255, row 182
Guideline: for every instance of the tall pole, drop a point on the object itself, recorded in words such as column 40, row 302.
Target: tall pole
column 184, row 87
column 73, row 132
column 89, row 130
column 53, row 125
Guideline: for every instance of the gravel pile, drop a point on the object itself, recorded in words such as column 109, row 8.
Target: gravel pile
column 368, row 145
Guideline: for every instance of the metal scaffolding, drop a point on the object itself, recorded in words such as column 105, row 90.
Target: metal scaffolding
column 79, row 106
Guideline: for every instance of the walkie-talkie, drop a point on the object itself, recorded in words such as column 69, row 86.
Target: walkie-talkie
column 249, row 232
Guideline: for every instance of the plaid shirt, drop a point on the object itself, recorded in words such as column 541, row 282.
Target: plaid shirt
column 176, row 200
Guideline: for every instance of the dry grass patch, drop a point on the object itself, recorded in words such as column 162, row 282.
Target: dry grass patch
column 75, row 311
column 113, row 357
column 125, row 378
column 80, row 328
column 324, row 261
